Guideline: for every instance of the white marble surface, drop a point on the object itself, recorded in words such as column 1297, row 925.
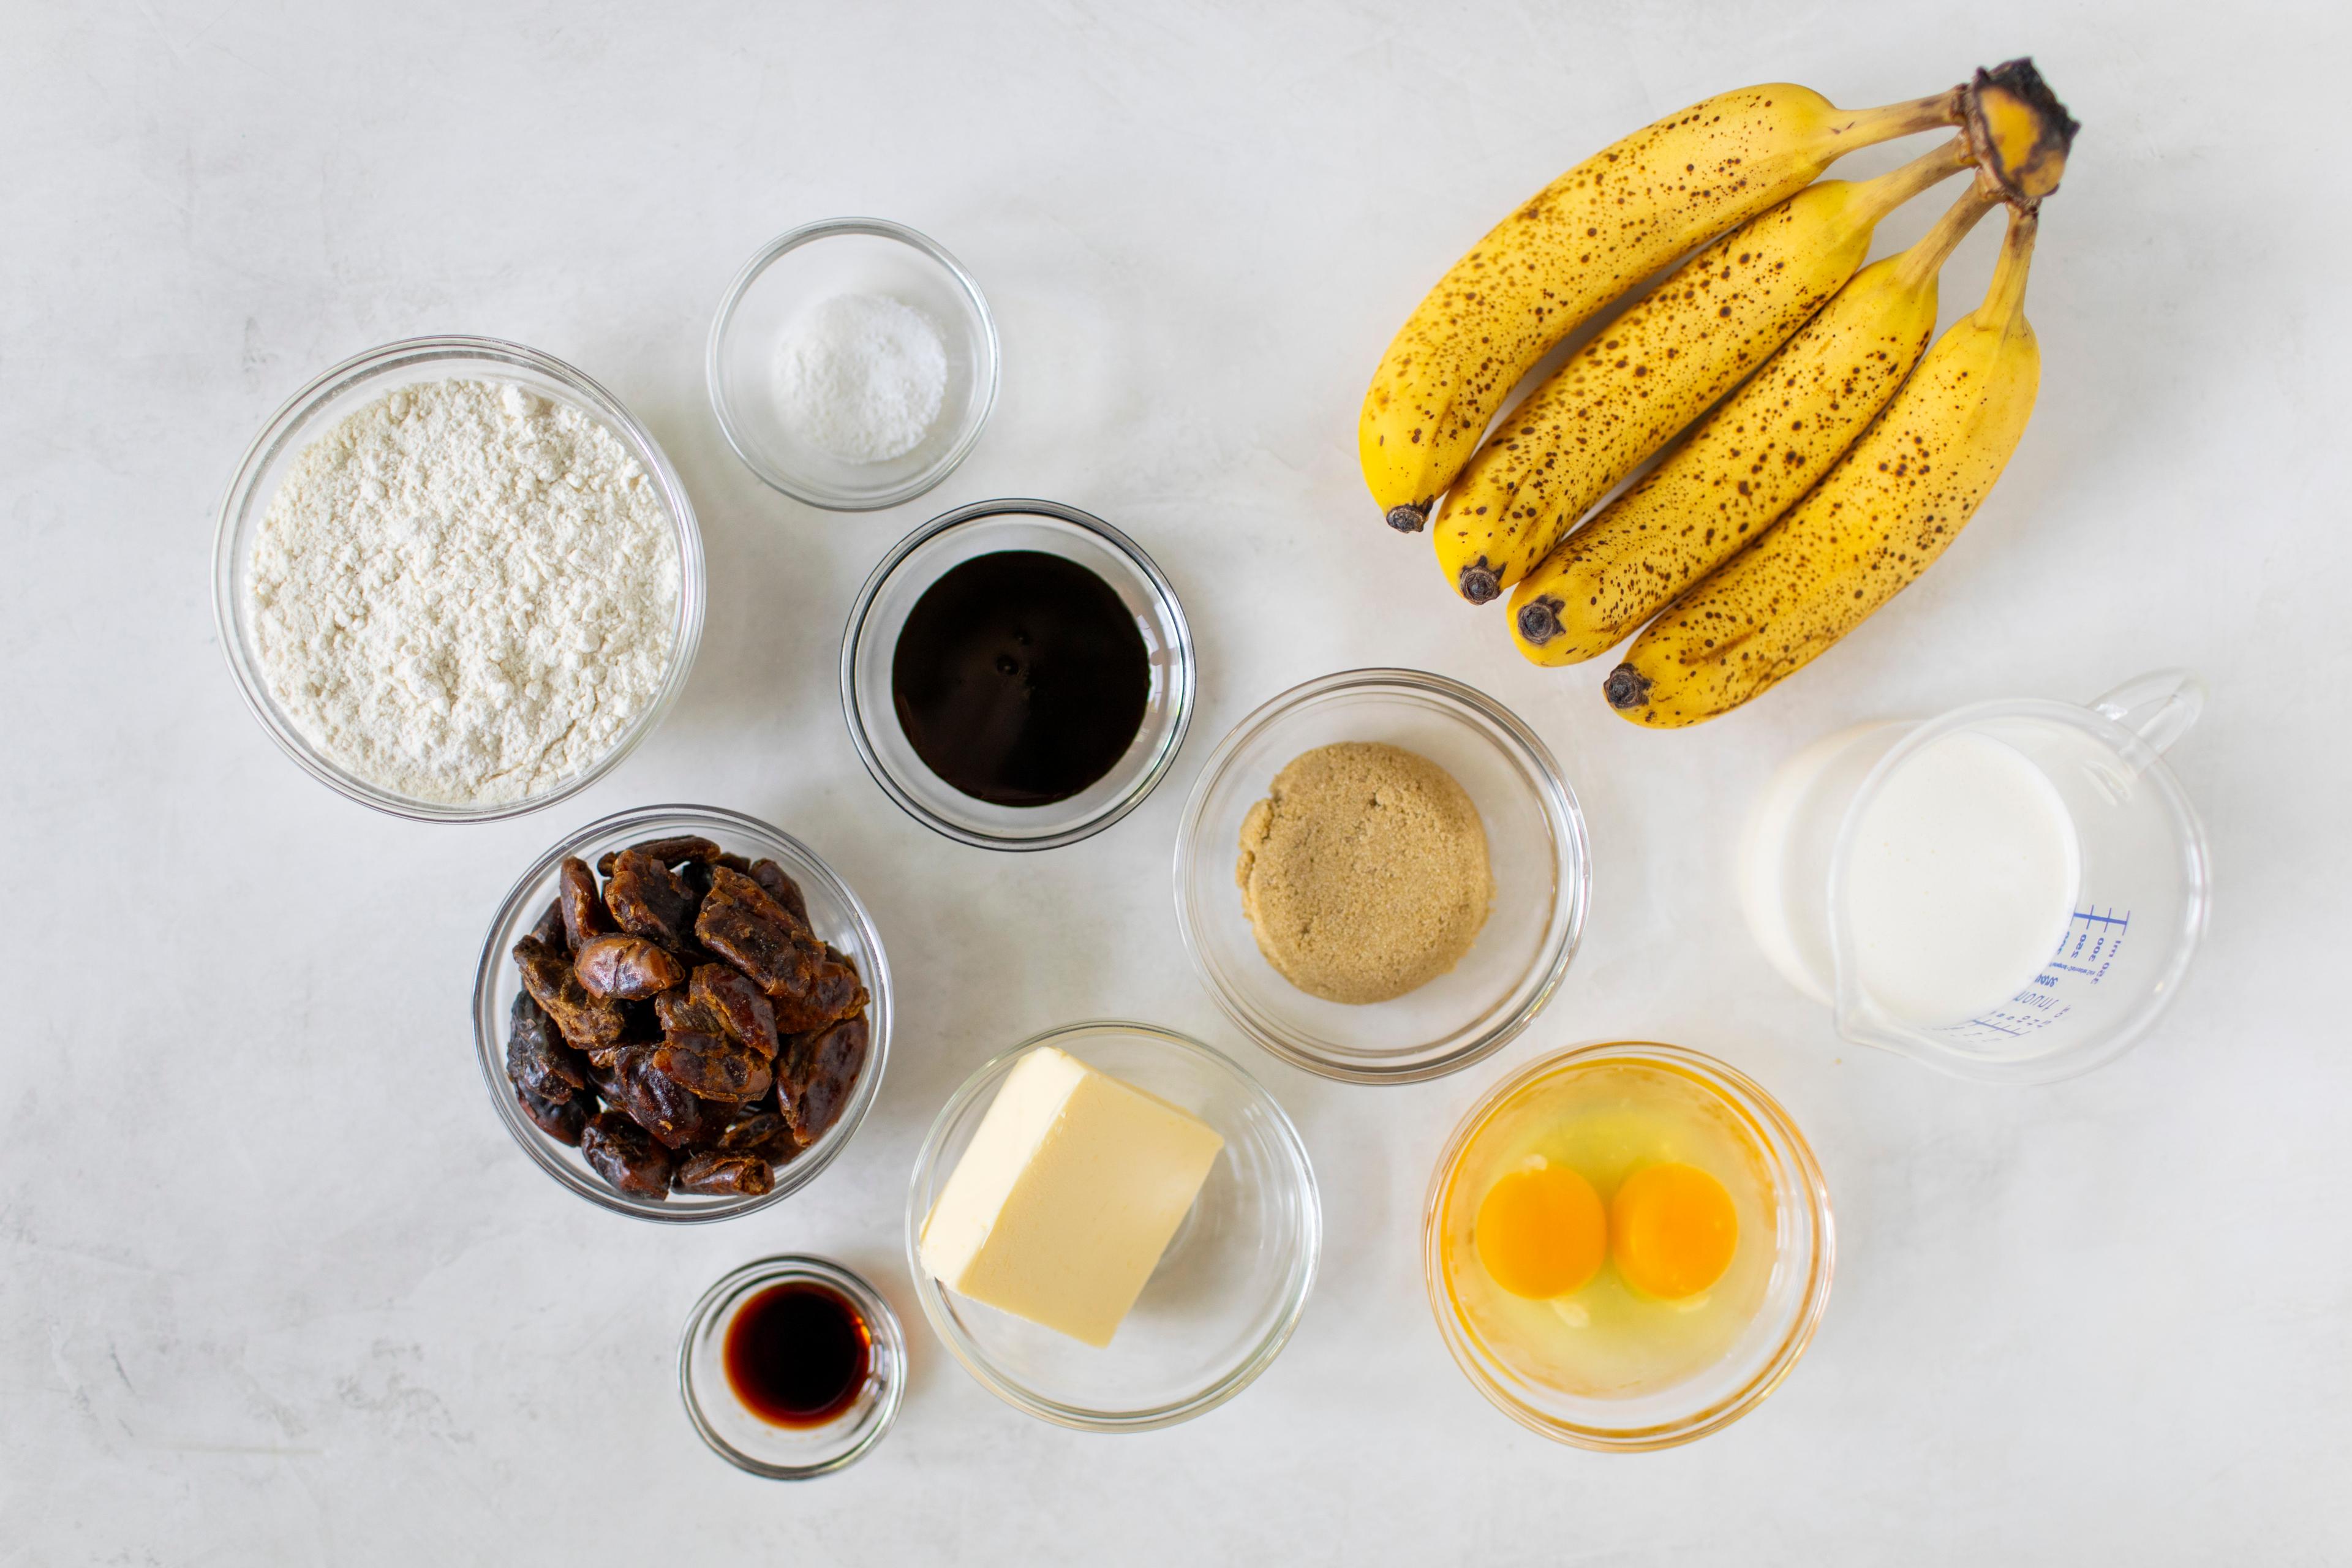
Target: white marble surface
column 278, row 1288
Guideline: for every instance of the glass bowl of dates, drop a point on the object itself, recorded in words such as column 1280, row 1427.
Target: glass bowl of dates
column 682, row 1013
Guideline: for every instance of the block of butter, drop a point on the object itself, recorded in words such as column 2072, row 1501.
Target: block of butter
column 1067, row 1196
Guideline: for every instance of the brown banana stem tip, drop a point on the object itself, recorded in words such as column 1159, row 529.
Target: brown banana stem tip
column 1408, row 518
column 1540, row 619
column 1626, row 688
column 2017, row 130
column 1480, row 581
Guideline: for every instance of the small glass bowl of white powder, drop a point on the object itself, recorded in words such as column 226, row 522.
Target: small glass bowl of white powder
column 456, row 581
column 853, row 364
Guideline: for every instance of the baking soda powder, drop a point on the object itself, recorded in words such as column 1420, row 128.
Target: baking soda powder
column 861, row 376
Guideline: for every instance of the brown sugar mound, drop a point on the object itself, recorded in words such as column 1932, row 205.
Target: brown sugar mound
column 1364, row 872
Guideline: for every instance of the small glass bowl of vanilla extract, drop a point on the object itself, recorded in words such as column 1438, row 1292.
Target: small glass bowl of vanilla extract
column 792, row 1367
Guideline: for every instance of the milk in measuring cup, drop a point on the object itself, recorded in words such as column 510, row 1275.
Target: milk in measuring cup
column 2010, row 892
column 1961, row 881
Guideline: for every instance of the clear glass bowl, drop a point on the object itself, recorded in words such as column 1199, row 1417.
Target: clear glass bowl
column 788, row 1453
column 1536, row 845
column 1228, row 1291
column 795, row 271
column 833, row 911
column 1795, row 1294
column 347, row 388
column 871, row 641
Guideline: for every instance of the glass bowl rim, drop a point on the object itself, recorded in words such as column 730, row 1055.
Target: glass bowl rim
column 929, row 1293
column 978, row 513
column 299, row 412
column 732, row 428
column 793, row 1174
column 1800, row 1174
column 1561, row 806
column 881, row 1317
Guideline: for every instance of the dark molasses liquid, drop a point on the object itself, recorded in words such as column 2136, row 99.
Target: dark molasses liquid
column 1021, row 678
column 797, row 1354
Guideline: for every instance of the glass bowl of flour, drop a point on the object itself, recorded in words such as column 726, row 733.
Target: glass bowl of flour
column 853, row 364
column 456, row 581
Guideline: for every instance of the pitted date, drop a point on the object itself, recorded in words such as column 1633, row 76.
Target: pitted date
column 625, row 1154
column 714, row 1172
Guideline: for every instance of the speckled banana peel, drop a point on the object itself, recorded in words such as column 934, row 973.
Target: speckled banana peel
column 1746, row 462
column 1892, row 505
column 1654, row 369
column 1582, row 241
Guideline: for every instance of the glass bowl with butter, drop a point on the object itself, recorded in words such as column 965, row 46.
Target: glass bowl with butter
column 1138, row 1191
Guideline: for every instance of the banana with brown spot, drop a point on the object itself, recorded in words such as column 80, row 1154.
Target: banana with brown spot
column 1748, row 462
column 1892, row 505
column 1626, row 393
column 1579, row 243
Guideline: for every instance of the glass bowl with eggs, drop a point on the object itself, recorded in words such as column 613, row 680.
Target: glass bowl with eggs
column 1627, row 1246
column 456, row 581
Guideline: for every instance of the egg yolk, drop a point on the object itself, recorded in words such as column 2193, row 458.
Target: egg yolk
column 1541, row 1233
column 1672, row 1230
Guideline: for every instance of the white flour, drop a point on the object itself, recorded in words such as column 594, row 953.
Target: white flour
column 861, row 376
column 464, row 593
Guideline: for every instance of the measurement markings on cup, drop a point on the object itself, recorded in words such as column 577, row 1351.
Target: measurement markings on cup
column 2087, row 953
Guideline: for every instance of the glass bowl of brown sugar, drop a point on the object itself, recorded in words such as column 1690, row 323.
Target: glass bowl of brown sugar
column 1536, row 850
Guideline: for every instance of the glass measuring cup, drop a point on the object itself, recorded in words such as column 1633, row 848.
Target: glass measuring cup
column 2140, row 892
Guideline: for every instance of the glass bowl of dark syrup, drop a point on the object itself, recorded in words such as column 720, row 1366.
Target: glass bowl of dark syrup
column 792, row 1367
column 1017, row 675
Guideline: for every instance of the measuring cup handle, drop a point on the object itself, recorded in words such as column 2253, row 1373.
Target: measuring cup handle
column 2159, row 707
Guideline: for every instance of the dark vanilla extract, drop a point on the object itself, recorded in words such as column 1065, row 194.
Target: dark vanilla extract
column 798, row 1354
column 1020, row 677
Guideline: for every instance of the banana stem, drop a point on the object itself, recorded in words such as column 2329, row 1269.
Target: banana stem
column 1867, row 127
column 1927, row 259
column 2019, row 129
column 1874, row 199
column 2005, row 299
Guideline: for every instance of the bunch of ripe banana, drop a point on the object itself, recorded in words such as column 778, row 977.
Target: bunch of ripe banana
column 1848, row 453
